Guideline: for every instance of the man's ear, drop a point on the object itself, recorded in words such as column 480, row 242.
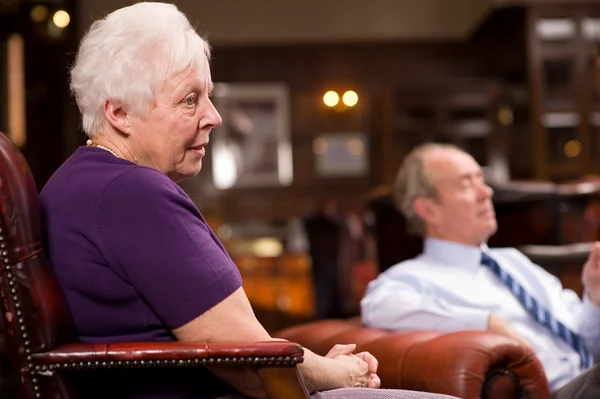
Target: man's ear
column 116, row 116
column 425, row 208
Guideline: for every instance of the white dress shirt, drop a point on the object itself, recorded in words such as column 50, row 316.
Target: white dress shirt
column 446, row 288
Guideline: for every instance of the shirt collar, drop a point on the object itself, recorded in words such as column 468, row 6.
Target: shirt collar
column 453, row 253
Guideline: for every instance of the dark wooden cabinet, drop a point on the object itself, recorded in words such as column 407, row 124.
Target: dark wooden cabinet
column 565, row 101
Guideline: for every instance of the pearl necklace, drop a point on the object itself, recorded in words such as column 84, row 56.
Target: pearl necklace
column 92, row 144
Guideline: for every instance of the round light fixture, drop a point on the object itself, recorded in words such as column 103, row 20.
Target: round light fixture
column 331, row 98
column 350, row 98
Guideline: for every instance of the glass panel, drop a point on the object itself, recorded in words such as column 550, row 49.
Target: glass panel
column 593, row 77
column 408, row 139
column 590, row 27
column 563, row 145
column 468, row 113
column 469, row 128
column 560, row 119
column 421, row 112
column 445, row 139
column 562, row 136
column 559, row 85
column 418, row 117
column 468, row 122
column 477, row 147
column 594, row 121
column 556, row 29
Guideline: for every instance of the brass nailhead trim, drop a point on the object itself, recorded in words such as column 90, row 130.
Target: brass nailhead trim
column 250, row 360
column 20, row 320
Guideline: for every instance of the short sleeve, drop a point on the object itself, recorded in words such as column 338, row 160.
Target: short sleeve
column 153, row 236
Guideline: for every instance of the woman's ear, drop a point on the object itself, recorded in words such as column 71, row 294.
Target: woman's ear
column 116, row 116
column 426, row 209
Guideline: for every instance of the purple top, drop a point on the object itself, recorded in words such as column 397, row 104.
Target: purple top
column 133, row 255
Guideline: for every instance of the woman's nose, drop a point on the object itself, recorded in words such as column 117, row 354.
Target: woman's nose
column 213, row 119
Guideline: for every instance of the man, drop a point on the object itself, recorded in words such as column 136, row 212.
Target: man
column 459, row 283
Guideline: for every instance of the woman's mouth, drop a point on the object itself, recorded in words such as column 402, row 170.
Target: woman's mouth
column 199, row 150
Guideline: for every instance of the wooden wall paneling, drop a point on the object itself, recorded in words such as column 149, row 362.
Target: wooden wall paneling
column 388, row 155
column 3, row 84
column 538, row 136
column 543, row 3
column 582, row 93
column 382, row 74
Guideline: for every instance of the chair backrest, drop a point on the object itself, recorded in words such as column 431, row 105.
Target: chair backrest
column 335, row 251
column 34, row 312
column 394, row 243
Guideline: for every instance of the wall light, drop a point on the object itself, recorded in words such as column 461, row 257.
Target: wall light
column 331, row 98
column 572, row 148
column 506, row 116
column 61, row 19
column 350, row 98
column 39, row 13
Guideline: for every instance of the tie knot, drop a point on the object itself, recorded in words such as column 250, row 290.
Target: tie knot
column 486, row 259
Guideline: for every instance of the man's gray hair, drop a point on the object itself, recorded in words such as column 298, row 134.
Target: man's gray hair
column 413, row 181
column 128, row 54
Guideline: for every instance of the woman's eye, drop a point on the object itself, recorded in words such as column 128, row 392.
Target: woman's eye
column 190, row 100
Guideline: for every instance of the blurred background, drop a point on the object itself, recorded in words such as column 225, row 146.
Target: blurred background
column 321, row 100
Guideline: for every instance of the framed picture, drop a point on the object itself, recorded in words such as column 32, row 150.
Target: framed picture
column 341, row 154
column 252, row 147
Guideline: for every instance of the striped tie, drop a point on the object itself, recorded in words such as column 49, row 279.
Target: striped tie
column 539, row 313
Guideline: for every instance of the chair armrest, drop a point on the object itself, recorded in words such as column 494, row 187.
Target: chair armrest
column 553, row 254
column 467, row 364
column 164, row 354
column 473, row 364
column 276, row 361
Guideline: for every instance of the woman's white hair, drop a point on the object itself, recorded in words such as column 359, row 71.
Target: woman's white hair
column 128, row 54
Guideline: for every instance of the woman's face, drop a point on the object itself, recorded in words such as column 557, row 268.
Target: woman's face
column 172, row 136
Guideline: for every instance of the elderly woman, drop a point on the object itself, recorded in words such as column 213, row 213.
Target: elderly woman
column 134, row 256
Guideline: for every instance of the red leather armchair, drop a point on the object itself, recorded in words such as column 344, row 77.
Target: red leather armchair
column 464, row 364
column 470, row 364
column 37, row 329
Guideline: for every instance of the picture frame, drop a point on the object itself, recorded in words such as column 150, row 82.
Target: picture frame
column 252, row 146
column 341, row 154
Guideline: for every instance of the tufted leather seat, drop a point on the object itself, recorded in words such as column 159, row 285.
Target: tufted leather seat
column 468, row 364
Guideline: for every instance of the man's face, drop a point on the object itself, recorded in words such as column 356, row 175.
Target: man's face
column 462, row 211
